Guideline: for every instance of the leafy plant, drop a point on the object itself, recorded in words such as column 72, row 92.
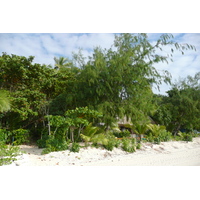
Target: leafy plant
column 187, row 137
column 158, row 134
column 42, row 142
column 111, row 143
column 4, row 135
column 128, row 145
column 8, row 153
column 94, row 134
column 75, row 147
column 20, row 136
column 121, row 134
column 138, row 146
column 53, row 144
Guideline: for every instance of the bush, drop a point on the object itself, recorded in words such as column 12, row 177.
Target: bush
column 4, row 135
column 20, row 136
column 128, row 145
column 75, row 147
column 165, row 136
column 187, row 137
column 17, row 137
column 138, row 146
column 161, row 135
column 122, row 134
column 53, row 144
column 42, row 142
column 110, row 144
column 8, row 153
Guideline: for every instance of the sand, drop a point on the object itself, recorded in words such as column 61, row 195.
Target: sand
column 173, row 153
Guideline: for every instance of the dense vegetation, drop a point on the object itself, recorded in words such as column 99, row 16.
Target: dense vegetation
column 81, row 99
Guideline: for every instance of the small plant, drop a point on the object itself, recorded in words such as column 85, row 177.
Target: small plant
column 138, row 146
column 75, row 147
column 110, row 145
column 96, row 145
column 157, row 140
column 128, row 145
column 8, row 153
column 165, row 136
column 187, row 137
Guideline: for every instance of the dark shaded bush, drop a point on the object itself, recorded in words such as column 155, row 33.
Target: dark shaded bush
column 122, row 134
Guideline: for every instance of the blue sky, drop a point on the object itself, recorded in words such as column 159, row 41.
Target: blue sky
column 45, row 46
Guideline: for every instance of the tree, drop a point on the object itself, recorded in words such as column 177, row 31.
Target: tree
column 31, row 87
column 62, row 62
column 180, row 110
column 185, row 98
column 118, row 81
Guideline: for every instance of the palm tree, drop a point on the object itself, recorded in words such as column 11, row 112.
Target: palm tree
column 61, row 62
column 4, row 101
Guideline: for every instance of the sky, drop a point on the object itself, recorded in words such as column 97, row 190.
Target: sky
column 46, row 46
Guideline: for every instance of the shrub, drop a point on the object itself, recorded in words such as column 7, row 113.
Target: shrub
column 8, row 153
column 128, row 145
column 42, row 142
column 53, row 144
column 158, row 134
column 4, row 135
column 75, row 147
column 110, row 144
column 165, row 136
column 20, row 136
column 187, row 137
column 122, row 134
column 96, row 145
column 138, row 146
column 157, row 140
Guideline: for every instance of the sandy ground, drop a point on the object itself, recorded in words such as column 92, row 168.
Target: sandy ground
column 166, row 154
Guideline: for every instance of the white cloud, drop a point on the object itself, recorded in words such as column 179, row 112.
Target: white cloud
column 45, row 46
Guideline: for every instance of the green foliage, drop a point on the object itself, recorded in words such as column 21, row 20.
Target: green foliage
column 42, row 142
column 54, row 144
column 181, row 108
column 184, row 136
column 16, row 137
column 158, row 134
column 121, row 134
column 129, row 145
column 8, row 153
column 75, row 147
column 188, row 137
column 62, row 62
column 112, row 84
column 111, row 143
column 4, row 135
column 94, row 134
column 138, row 145
column 4, row 101
column 140, row 128
column 20, row 136
column 165, row 136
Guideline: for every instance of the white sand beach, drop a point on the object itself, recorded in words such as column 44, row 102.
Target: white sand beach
column 171, row 153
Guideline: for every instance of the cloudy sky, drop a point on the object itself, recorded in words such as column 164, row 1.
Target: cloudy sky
column 45, row 46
